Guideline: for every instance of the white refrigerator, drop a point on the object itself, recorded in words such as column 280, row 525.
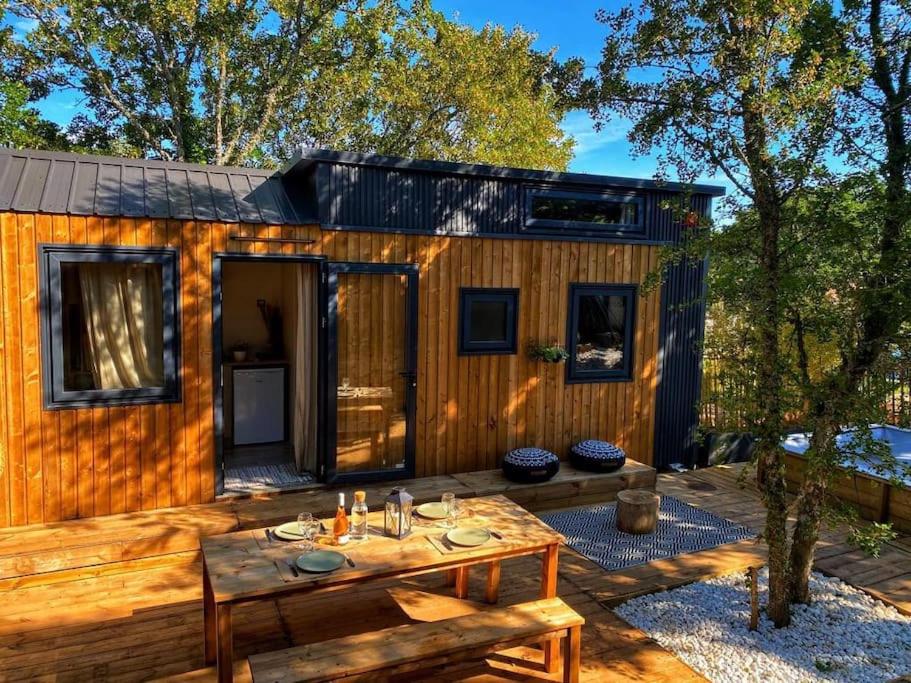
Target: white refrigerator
column 259, row 405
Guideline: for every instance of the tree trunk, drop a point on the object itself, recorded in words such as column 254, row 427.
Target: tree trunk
column 770, row 466
column 821, row 457
column 772, row 486
column 803, row 542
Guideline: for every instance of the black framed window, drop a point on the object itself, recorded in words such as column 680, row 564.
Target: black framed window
column 110, row 325
column 487, row 320
column 584, row 211
column 600, row 332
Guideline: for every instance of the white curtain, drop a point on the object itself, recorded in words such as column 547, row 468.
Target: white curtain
column 122, row 304
column 303, row 414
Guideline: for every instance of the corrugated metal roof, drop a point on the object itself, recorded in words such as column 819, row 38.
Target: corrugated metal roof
column 57, row 182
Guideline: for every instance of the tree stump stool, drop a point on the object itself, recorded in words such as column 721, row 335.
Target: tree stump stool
column 637, row 511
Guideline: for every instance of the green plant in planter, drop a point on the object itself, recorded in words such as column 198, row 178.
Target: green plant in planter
column 549, row 353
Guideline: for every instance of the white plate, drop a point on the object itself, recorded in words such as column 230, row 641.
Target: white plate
column 289, row 531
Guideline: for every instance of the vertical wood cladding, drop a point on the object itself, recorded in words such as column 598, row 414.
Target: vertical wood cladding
column 63, row 464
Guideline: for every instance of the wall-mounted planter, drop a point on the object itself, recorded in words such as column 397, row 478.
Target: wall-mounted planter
column 547, row 353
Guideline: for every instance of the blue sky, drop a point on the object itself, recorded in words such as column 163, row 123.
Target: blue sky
column 569, row 26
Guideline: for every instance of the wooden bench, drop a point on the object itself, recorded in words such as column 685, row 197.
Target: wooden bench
column 402, row 649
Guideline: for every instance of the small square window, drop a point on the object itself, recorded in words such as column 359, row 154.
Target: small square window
column 487, row 321
column 109, row 325
column 600, row 334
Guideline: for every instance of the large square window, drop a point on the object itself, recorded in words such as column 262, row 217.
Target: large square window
column 487, row 321
column 600, row 334
column 110, row 331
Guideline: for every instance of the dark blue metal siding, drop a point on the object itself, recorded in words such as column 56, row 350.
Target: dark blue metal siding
column 362, row 196
column 681, row 333
column 377, row 198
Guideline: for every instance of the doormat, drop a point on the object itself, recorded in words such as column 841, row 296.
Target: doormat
column 682, row 528
column 265, row 478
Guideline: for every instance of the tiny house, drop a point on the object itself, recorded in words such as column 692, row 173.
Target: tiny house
column 172, row 332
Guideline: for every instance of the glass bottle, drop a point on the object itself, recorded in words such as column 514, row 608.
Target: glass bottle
column 359, row 516
column 340, row 525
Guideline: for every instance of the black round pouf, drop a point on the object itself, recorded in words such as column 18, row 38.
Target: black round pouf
column 530, row 465
column 597, row 456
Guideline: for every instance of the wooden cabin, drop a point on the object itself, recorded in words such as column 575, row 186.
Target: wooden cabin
column 173, row 332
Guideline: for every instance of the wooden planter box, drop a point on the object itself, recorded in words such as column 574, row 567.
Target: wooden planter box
column 876, row 499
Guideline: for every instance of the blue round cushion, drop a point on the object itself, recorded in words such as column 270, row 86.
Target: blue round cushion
column 597, row 456
column 530, row 465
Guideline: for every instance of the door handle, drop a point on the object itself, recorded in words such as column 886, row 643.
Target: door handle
column 411, row 377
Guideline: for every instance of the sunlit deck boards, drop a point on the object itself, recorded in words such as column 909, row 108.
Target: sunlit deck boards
column 143, row 619
column 101, row 545
column 149, row 624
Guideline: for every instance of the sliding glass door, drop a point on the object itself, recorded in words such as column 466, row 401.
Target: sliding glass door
column 371, row 373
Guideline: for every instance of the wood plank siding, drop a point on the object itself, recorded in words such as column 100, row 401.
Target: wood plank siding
column 63, row 464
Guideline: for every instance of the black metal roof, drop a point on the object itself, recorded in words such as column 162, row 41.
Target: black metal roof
column 307, row 157
column 85, row 185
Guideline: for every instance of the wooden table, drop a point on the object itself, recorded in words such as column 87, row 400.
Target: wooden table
column 237, row 570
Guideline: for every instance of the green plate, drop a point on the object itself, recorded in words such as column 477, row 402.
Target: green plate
column 469, row 538
column 289, row 531
column 320, row 561
column 431, row 511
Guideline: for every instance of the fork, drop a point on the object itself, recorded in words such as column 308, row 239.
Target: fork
column 293, row 568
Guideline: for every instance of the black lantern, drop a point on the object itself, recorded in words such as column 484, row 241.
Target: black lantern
column 397, row 519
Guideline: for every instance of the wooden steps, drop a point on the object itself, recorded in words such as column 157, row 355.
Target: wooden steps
column 409, row 648
column 115, row 544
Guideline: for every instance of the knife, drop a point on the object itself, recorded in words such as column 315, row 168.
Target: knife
column 349, row 560
column 293, row 568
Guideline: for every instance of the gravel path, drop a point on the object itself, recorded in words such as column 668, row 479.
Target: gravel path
column 845, row 635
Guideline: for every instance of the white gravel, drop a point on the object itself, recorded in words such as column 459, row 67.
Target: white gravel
column 844, row 635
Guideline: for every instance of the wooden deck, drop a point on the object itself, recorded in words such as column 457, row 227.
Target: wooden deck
column 125, row 609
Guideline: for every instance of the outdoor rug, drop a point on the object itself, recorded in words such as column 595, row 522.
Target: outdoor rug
column 681, row 529
column 264, row 477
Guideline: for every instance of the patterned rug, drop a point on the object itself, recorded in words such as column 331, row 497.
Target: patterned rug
column 681, row 529
column 265, row 478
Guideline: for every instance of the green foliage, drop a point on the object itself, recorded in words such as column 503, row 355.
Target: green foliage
column 549, row 353
column 488, row 91
column 685, row 70
column 252, row 82
column 829, row 248
column 810, row 281
column 871, row 538
column 15, row 117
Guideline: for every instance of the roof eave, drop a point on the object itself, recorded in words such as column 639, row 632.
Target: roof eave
column 309, row 156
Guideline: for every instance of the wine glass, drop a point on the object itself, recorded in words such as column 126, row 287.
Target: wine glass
column 447, row 500
column 306, row 525
column 456, row 509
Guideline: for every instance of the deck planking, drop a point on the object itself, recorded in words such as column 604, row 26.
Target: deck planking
column 143, row 620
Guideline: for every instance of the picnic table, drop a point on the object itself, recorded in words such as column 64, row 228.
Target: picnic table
column 244, row 566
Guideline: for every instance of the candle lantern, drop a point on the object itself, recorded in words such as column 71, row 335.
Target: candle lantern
column 397, row 518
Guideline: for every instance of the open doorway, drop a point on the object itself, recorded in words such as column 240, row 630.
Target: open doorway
column 269, row 408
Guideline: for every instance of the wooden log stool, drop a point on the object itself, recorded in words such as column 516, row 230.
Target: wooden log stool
column 637, row 511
